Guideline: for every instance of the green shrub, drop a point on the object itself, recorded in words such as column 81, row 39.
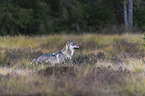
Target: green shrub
column 14, row 19
column 139, row 17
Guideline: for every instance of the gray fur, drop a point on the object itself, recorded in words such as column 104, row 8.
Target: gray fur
column 58, row 57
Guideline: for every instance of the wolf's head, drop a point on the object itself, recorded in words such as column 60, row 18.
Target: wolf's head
column 68, row 50
column 72, row 45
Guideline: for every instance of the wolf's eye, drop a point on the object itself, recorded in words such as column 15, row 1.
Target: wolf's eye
column 74, row 43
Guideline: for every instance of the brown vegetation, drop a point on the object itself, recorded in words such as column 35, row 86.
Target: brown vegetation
column 112, row 68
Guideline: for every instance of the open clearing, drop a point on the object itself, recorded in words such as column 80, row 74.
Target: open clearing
column 106, row 65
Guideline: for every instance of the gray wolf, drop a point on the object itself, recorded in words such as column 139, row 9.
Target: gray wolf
column 58, row 57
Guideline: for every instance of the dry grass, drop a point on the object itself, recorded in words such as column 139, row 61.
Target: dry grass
column 111, row 65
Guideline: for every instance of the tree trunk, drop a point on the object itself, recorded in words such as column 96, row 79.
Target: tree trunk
column 130, row 13
column 125, row 13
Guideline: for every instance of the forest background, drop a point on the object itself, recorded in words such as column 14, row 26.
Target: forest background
column 35, row 17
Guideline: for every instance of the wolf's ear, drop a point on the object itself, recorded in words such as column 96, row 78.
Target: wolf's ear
column 68, row 41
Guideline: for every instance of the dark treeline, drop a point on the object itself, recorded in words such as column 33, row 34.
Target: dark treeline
column 70, row 16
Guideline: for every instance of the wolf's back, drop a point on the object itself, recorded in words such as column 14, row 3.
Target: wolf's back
column 39, row 59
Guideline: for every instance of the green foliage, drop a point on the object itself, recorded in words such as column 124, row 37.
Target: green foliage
column 76, row 16
column 98, row 15
column 139, row 17
column 20, row 17
column 14, row 19
column 43, row 17
column 70, row 16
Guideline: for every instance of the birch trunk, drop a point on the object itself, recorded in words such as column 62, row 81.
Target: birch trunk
column 125, row 13
column 130, row 13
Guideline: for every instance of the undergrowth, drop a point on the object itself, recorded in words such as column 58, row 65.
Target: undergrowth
column 104, row 65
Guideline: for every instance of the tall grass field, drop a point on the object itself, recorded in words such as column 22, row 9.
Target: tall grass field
column 105, row 65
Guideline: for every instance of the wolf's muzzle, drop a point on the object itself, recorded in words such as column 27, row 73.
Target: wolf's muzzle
column 76, row 47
